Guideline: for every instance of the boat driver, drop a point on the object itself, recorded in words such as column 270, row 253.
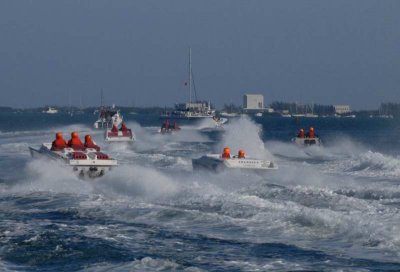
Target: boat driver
column 90, row 144
column 75, row 142
column 311, row 133
column 59, row 143
column 226, row 153
column 241, row 154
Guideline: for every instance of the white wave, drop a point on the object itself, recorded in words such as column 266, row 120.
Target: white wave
column 367, row 164
column 376, row 162
column 243, row 133
column 136, row 181
column 143, row 264
column 340, row 148
column 67, row 129
column 11, row 149
column 309, row 218
column 273, row 264
column 206, row 124
column 8, row 267
column 51, row 176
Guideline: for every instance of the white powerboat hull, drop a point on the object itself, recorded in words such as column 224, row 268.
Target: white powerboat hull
column 86, row 163
column 215, row 163
column 307, row 141
column 119, row 138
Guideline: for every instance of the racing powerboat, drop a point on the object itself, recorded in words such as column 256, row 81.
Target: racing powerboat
column 309, row 139
column 219, row 121
column 167, row 128
column 218, row 163
column 108, row 117
column 115, row 135
column 86, row 160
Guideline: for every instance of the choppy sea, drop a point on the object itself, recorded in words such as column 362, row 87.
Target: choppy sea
column 329, row 208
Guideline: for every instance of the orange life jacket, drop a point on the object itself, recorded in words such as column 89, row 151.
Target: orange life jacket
column 59, row 143
column 90, row 144
column 75, row 142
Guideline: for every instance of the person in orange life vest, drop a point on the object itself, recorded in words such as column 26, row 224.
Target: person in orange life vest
column 59, row 143
column 227, row 153
column 241, row 154
column 124, row 128
column 301, row 133
column 90, row 144
column 114, row 129
column 311, row 133
column 176, row 125
column 167, row 124
column 75, row 142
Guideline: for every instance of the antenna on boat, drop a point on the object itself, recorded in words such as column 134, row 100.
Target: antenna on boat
column 101, row 98
column 190, row 76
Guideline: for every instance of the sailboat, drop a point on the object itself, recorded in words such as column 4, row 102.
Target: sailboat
column 80, row 111
column 194, row 109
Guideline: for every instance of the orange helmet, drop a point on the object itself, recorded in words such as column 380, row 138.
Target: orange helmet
column 241, row 153
column 59, row 136
column 227, row 150
column 88, row 138
column 74, row 135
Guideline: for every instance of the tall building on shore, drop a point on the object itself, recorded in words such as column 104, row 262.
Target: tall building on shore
column 253, row 102
column 342, row 109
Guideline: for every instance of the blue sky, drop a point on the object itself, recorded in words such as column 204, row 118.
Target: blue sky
column 329, row 52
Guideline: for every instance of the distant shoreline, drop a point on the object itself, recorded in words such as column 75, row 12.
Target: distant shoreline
column 159, row 110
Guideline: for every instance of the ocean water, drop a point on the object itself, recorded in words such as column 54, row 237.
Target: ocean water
column 329, row 208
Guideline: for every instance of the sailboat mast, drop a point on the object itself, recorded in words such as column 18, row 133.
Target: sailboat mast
column 190, row 76
column 101, row 99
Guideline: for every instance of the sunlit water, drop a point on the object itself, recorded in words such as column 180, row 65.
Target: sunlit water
column 334, row 207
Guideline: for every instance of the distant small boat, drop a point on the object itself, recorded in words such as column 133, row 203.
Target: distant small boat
column 85, row 160
column 308, row 139
column 218, row 163
column 167, row 128
column 227, row 114
column 50, row 110
column 115, row 135
column 108, row 117
column 258, row 114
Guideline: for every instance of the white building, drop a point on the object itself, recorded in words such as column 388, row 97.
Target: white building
column 253, row 102
column 342, row 109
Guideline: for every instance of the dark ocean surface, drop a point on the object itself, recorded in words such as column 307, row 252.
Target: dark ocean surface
column 329, row 208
